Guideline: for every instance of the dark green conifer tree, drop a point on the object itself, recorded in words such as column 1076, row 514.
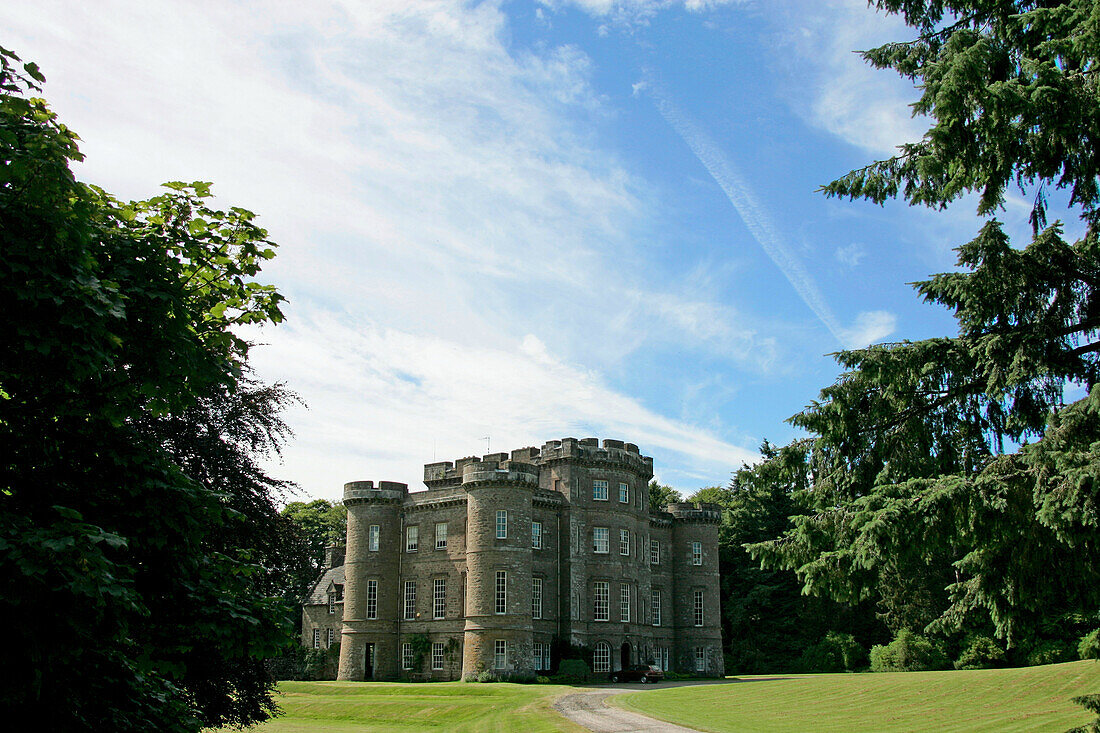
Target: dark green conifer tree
column 916, row 504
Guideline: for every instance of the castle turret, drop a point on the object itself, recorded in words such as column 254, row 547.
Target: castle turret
column 607, row 595
column 369, row 642
column 696, row 583
column 499, row 504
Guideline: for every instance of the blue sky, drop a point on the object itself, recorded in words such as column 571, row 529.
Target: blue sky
column 524, row 220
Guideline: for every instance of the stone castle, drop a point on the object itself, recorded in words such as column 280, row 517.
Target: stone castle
column 509, row 558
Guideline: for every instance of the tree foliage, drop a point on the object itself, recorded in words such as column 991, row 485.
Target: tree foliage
column 319, row 524
column 908, row 652
column 1092, row 704
column 138, row 538
column 767, row 623
column 1012, row 93
column 660, row 495
column 915, row 504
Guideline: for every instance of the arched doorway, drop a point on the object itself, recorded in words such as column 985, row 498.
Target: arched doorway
column 624, row 655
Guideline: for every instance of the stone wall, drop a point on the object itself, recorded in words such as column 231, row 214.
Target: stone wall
column 318, row 617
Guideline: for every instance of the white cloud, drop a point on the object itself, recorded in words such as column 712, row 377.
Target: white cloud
column 452, row 240
column 850, row 254
column 870, row 327
column 629, row 15
column 605, row 8
column 832, row 87
column 384, row 401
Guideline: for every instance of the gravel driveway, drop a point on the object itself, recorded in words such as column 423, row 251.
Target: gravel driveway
column 590, row 710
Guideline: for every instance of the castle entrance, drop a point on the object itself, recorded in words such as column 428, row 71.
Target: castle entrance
column 368, row 663
column 624, row 655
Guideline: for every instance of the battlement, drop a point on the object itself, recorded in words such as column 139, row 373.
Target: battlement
column 500, row 471
column 444, row 474
column 589, row 450
column 363, row 491
column 699, row 511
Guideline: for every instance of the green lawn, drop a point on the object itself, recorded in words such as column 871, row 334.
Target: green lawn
column 1002, row 700
column 385, row 706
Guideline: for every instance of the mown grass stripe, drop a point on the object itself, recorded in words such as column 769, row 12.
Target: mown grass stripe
column 1003, row 700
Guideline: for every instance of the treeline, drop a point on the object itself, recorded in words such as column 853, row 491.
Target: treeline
column 888, row 610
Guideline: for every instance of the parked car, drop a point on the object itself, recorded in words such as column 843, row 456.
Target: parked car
column 641, row 672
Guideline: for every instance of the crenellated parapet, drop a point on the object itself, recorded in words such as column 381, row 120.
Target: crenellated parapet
column 700, row 512
column 499, row 473
column 443, row 474
column 588, row 452
column 365, row 492
column 585, row 451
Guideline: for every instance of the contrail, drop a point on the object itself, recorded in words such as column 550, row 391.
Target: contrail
column 754, row 215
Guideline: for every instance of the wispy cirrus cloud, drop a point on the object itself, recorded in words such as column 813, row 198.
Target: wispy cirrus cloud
column 405, row 399
column 604, row 8
column 831, row 86
column 452, row 237
column 761, row 224
column 630, row 15
column 850, row 254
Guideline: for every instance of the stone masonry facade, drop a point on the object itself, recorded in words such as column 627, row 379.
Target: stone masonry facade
column 507, row 558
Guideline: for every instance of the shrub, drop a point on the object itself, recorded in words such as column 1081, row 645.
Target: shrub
column 575, row 668
column 518, row 678
column 1092, row 704
column 908, row 652
column 487, row 676
column 564, row 679
column 300, row 663
column 420, row 645
column 835, row 653
column 562, row 648
column 1089, row 647
column 542, row 680
column 1049, row 651
column 675, row 676
column 981, row 652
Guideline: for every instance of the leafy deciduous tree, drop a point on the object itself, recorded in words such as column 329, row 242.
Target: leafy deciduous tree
column 319, row 523
column 134, row 584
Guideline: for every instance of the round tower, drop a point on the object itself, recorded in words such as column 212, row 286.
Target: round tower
column 607, row 527
column 369, row 644
column 498, row 632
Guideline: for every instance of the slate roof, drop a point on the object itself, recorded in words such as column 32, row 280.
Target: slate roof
column 319, row 594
